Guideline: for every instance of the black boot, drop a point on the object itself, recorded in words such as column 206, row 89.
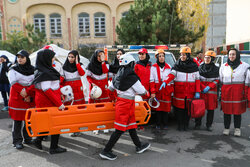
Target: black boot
column 57, row 150
column 38, row 143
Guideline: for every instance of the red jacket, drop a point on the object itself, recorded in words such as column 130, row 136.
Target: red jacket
column 233, row 95
column 211, row 99
column 48, row 94
column 74, row 80
column 157, row 76
column 17, row 106
column 144, row 75
column 185, row 86
column 100, row 81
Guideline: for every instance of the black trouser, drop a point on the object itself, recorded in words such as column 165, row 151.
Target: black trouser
column 210, row 118
column 227, row 121
column 5, row 99
column 161, row 118
column 182, row 118
column 53, row 142
column 19, row 132
column 117, row 134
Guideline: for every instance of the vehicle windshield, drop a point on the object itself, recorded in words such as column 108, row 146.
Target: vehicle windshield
column 169, row 58
column 244, row 57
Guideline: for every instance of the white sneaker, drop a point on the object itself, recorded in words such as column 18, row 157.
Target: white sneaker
column 96, row 132
column 226, row 132
column 237, row 132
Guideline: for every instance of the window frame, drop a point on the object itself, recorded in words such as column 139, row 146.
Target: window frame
column 55, row 19
column 85, row 20
column 99, row 25
column 40, row 27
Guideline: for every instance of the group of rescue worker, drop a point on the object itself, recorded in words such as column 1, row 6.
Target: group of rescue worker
column 120, row 81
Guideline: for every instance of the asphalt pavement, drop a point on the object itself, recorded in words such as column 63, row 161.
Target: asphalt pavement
column 169, row 148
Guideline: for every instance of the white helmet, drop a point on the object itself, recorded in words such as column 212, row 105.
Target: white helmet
column 126, row 59
column 96, row 92
column 68, row 93
column 153, row 99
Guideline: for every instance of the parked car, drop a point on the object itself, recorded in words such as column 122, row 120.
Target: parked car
column 169, row 57
column 221, row 59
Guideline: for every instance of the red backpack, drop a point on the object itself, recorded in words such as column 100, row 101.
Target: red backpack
column 196, row 108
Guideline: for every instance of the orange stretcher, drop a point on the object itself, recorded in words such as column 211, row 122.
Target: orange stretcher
column 78, row 118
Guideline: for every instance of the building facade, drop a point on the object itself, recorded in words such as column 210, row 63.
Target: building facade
column 238, row 24
column 216, row 33
column 70, row 23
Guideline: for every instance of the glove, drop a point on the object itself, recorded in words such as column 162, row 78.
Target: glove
column 207, row 88
column 62, row 107
column 163, row 85
column 197, row 95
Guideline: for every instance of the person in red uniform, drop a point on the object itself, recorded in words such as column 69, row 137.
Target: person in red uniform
column 142, row 69
column 113, row 69
column 127, row 84
column 21, row 74
column 72, row 72
column 47, row 92
column 209, row 77
column 159, row 72
column 97, row 74
column 199, row 57
column 185, row 74
column 233, row 98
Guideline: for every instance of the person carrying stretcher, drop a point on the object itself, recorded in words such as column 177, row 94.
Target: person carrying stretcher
column 127, row 85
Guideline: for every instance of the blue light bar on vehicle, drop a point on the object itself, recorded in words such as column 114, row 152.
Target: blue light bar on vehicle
column 135, row 47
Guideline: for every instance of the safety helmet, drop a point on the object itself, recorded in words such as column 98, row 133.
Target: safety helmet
column 185, row 49
column 143, row 50
column 126, row 59
column 68, row 93
column 158, row 52
column 96, row 92
column 48, row 47
column 210, row 53
column 152, row 100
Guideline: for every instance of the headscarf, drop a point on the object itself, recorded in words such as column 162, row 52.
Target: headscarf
column 188, row 66
column 159, row 63
column 114, row 66
column 125, row 77
column 26, row 68
column 209, row 70
column 71, row 67
column 145, row 61
column 95, row 66
column 5, row 57
column 43, row 69
column 234, row 64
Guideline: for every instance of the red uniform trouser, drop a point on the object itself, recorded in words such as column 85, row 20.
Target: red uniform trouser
column 125, row 114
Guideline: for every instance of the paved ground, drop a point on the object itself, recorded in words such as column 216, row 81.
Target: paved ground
column 169, row 148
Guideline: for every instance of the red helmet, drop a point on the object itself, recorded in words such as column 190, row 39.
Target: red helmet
column 48, row 47
column 143, row 50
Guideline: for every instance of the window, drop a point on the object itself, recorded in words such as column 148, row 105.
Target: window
column 83, row 25
column 100, row 29
column 124, row 14
column 55, row 25
column 39, row 22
